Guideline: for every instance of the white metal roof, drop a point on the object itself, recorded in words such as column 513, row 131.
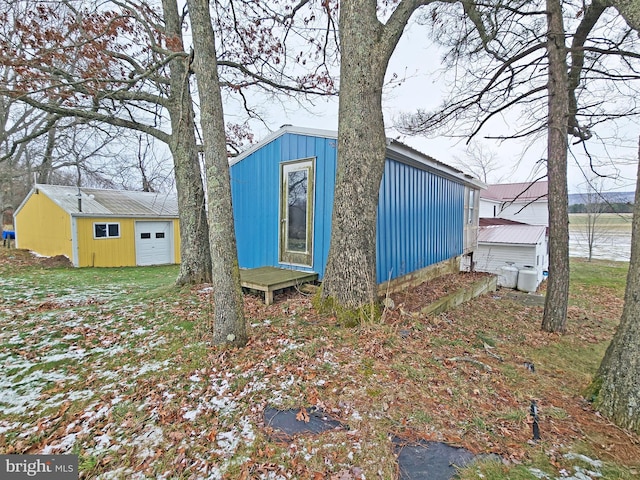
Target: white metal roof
column 102, row 202
column 512, row 234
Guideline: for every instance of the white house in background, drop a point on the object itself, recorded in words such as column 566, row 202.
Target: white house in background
column 502, row 242
column 522, row 202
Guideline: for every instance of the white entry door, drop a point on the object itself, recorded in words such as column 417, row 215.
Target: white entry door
column 154, row 243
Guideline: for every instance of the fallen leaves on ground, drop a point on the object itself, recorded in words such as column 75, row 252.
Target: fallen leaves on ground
column 137, row 390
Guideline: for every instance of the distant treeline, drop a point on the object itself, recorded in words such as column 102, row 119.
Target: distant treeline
column 601, row 208
column 611, row 197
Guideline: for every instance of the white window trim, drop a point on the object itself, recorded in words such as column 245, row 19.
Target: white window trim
column 471, row 212
column 106, row 224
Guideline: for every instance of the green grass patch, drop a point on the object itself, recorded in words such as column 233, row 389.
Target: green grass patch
column 598, row 274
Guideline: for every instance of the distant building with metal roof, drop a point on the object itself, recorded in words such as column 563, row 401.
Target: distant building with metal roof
column 121, row 203
column 512, row 234
column 525, row 202
column 512, row 243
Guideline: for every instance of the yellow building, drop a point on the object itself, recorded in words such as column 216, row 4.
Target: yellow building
column 99, row 228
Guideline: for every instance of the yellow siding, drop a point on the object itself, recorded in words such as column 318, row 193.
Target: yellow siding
column 176, row 241
column 105, row 252
column 43, row 227
column 113, row 252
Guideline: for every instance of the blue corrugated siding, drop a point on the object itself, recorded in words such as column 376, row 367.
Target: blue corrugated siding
column 420, row 215
column 255, row 187
column 420, row 220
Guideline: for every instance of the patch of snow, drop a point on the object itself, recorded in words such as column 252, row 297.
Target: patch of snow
column 120, row 473
column 71, row 396
column 63, row 446
column 192, row 414
column 584, row 474
column 71, row 354
column 538, row 473
column 103, row 441
column 15, row 340
column 152, row 367
column 9, row 426
column 18, row 396
column 276, row 395
column 148, row 441
column 583, row 458
column 109, row 375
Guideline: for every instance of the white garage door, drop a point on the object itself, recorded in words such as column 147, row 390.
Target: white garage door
column 154, row 243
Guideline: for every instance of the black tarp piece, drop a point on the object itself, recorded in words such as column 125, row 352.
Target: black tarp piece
column 420, row 460
column 429, row 460
column 286, row 421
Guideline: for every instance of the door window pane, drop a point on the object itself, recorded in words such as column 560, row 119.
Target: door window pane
column 297, row 184
column 145, row 235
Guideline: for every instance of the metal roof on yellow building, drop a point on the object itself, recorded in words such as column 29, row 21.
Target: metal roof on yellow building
column 102, row 202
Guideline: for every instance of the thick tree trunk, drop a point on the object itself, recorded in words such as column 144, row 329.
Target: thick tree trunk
column 350, row 277
column 629, row 9
column 555, row 307
column 195, row 265
column 46, row 167
column 229, row 323
column 619, row 374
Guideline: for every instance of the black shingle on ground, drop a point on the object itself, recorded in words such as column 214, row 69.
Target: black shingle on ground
column 286, row 421
column 429, row 460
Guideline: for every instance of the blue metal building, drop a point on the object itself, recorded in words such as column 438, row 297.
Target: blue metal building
column 283, row 190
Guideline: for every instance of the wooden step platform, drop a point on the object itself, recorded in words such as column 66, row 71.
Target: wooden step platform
column 270, row 279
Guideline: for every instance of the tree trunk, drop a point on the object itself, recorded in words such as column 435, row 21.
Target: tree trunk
column 619, row 374
column 195, row 264
column 46, row 167
column 350, row 277
column 229, row 323
column 555, row 307
column 629, row 9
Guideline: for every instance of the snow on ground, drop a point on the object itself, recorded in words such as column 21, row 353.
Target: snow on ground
column 77, row 369
column 137, row 393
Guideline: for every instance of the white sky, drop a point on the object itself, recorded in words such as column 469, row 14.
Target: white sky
column 419, row 63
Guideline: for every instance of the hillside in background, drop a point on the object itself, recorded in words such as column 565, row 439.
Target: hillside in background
column 611, row 197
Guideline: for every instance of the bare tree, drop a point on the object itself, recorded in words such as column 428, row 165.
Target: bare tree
column 595, row 205
column 482, row 162
column 513, row 57
column 78, row 66
column 366, row 45
column 557, row 298
column 229, row 323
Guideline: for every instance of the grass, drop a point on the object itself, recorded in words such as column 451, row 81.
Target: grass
column 597, row 275
column 605, row 222
column 116, row 365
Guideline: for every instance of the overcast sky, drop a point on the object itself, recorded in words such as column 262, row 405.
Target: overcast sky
column 419, row 64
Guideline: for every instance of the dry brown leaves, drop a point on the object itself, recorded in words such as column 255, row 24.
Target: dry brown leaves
column 441, row 369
